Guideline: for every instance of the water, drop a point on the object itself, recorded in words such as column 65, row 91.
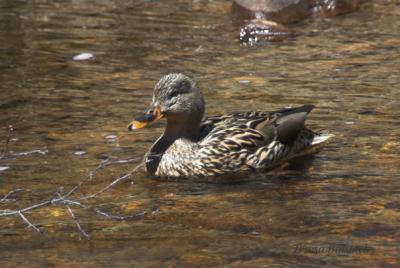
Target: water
column 346, row 195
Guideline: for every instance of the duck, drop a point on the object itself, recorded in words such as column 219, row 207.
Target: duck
column 193, row 147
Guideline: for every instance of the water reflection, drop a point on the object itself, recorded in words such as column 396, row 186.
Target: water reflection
column 347, row 193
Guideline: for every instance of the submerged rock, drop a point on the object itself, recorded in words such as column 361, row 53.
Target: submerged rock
column 330, row 8
column 290, row 11
column 256, row 31
column 267, row 16
column 281, row 11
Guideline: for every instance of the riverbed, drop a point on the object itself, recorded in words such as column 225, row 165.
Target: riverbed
column 339, row 207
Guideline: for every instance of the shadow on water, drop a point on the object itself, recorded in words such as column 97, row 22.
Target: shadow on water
column 339, row 207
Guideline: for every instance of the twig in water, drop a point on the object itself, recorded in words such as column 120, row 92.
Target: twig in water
column 5, row 148
column 14, row 212
column 82, row 232
column 119, row 217
column 55, row 200
column 103, row 163
column 65, row 202
column 89, row 177
column 6, row 196
column 127, row 175
column 28, row 222
column 125, row 161
column 61, row 199
column 37, row 151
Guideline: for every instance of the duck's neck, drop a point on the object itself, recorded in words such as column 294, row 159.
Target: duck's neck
column 177, row 128
column 186, row 128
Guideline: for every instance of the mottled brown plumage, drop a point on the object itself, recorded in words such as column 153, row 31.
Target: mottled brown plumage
column 219, row 145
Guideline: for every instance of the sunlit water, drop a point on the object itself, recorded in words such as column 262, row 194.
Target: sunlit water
column 75, row 113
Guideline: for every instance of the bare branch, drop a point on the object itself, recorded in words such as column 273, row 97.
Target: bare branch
column 81, row 230
column 102, row 164
column 63, row 198
column 6, row 196
column 119, row 217
column 127, row 175
column 28, row 222
column 37, row 151
column 125, row 161
column 72, row 202
column 88, row 177
column 5, row 148
column 4, row 153
column 14, row 212
column 60, row 198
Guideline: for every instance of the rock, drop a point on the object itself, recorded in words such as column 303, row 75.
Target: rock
column 256, row 31
column 267, row 16
column 290, row 11
column 281, row 11
column 330, row 8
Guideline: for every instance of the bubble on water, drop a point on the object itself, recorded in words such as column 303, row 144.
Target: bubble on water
column 83, row 56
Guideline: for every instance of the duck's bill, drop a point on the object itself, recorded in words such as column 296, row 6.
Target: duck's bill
column 145, row 119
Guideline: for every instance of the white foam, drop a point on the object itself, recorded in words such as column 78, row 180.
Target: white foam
column 80, row 153
column 83, row 56
column 321, row 138
column 2, row 168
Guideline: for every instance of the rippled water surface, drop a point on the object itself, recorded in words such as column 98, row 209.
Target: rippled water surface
column 74, row 115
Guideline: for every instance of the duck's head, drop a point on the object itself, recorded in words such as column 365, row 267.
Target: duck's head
column 177, row 98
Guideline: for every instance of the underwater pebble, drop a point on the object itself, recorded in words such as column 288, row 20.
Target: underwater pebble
column 2, row 168
column 349, row 123
column 83, row 56
column 80, row 153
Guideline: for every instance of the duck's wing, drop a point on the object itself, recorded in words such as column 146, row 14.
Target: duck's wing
column 226, row 142
column 245, row 141
column 282, row 125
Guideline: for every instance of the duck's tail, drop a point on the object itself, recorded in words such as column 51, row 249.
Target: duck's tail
column 317, row 143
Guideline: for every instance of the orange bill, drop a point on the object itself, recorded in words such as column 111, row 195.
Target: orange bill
column 145, row 119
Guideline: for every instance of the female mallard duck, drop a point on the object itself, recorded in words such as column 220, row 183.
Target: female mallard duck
column 219, row 145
